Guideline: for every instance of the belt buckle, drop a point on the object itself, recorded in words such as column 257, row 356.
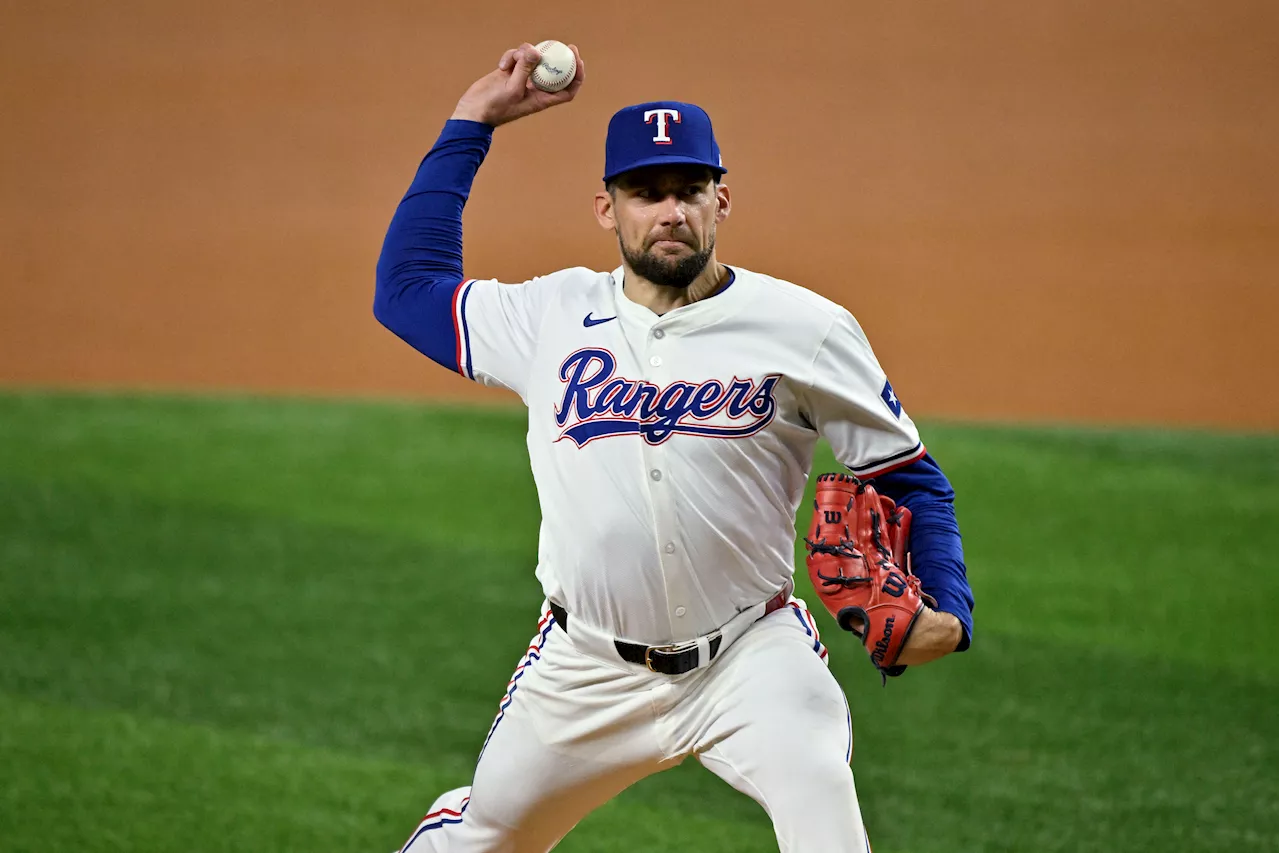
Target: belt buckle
column 667, row 649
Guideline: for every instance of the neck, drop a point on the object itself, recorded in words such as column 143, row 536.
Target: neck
column 660, row 299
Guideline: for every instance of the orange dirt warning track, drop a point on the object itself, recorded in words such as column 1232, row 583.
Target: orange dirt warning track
column 1040, row 211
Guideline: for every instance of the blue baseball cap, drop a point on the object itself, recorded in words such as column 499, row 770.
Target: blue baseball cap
column 660, row 133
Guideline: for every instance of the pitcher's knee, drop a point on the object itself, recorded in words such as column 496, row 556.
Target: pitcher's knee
column 818, row 810
column 824, row 786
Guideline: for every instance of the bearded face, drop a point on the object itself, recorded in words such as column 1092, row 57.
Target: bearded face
column 665, row 220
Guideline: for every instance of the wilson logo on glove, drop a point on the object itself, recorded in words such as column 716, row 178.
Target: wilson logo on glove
column 861, row 569
column 882, row 645
column 895, row 584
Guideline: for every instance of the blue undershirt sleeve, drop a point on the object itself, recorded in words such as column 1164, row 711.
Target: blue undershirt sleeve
column 420, row 266
column 937, row 554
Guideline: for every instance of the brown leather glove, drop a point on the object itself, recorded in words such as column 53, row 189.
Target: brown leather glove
column 860, row 567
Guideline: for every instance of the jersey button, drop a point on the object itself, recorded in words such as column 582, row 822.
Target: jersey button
column 680, row 611
column 670, row 548
column 655, row 475
column 656, row 361
column 659, row 334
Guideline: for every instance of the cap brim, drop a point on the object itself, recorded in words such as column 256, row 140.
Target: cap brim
column 667, row 161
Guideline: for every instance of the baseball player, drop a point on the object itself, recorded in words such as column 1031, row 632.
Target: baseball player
column 674, row 406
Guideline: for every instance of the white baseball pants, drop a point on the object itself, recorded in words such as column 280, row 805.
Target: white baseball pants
column 575, row 729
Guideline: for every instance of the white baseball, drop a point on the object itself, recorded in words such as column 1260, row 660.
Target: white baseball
column 557, row 67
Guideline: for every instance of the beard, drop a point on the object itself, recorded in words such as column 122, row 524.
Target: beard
column 666, row 272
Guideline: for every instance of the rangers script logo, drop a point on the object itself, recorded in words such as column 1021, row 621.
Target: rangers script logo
column 597, row 404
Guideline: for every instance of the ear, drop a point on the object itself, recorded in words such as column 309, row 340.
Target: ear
column 604, row 210
column 724, row 202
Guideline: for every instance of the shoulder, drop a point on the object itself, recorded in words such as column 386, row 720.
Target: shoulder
column 576, row 287
column 793, row 303
column 577, row 278
column 548, row 288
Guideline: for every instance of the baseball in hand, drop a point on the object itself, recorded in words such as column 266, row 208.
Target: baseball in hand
column 557, row 68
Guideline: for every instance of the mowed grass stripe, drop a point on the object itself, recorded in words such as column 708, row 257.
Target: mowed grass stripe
column 1148, row 542
column 241, row 620
column 112, row 781
column 106, row 780
column 202, row 561
column 413, row 471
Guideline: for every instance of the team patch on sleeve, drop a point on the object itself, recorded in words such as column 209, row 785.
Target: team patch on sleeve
column 891, row 399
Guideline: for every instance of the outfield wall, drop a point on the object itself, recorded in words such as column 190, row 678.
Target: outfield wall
column 1060, row 210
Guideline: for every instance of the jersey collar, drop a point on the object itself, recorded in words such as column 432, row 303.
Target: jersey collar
column 725, row 302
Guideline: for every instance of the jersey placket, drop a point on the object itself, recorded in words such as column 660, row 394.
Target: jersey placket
column 661, row 465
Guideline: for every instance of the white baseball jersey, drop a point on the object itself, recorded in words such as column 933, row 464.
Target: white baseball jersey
column 671, row 452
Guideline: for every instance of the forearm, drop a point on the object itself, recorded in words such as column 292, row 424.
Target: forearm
column 937, row 554
column 934, row 634
column 421, row 259
column 420, row 268
column 938, row 558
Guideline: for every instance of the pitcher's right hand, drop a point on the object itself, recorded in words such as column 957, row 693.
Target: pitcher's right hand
column 507, row 94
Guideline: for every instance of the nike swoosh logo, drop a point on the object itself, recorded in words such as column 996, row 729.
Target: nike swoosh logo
column 587, row 322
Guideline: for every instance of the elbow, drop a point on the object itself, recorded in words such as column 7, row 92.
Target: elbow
column 381, row 307
column 391, row 312
column 385, row 291
column 418, row 310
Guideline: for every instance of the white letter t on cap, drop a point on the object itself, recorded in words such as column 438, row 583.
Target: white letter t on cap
column 662, row 115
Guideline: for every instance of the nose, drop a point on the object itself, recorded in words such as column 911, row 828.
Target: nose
column 671, row 212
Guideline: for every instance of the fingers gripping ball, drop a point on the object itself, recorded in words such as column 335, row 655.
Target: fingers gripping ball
column 556, row 70
column 858, row 562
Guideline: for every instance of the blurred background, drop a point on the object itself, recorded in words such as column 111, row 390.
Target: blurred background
column 1042, row 211
column 232, row 506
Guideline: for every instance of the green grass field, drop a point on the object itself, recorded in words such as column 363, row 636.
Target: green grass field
column 279, row 625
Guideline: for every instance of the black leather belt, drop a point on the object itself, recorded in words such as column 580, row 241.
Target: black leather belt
column 673, row 659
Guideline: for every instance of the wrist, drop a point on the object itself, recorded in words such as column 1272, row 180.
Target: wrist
column 950, row 631
column 464, row 112
column 935, row 634
column 466, row 130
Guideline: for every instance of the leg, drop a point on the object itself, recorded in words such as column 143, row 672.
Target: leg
column 784, row 737
column 571, row 733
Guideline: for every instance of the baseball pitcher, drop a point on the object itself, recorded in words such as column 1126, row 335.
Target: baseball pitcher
column 674, row 406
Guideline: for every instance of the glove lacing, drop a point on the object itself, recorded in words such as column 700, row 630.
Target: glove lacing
column 844, row 549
